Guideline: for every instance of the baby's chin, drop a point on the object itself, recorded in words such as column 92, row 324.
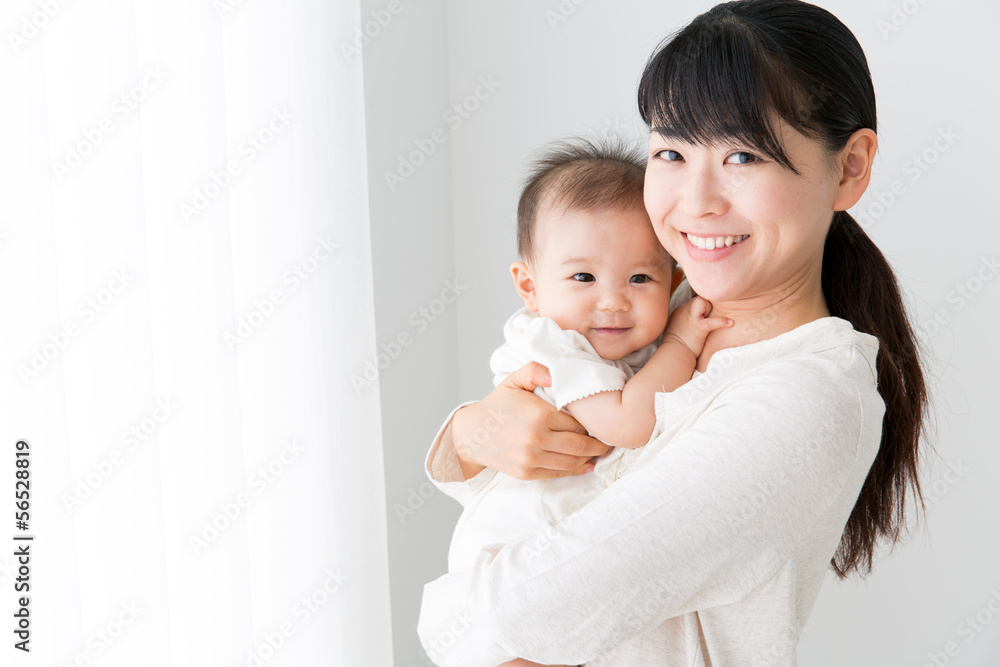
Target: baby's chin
column 610, row 353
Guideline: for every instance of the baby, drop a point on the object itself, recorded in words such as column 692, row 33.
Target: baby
column 596, row 286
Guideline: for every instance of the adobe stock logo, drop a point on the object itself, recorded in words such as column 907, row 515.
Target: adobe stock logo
column 265, row 307
column 88, row 309
column 420, row 320
column 31, row 25
column 219, row 180
column 455, row 115
column 231, row 511
column 301, row 612
column 561, row 14
column 121, row 109
column 968, row 630
column 105, row 637
column 961, row 295
column 915, row 167
column 364, row 34
column 103, row 469
column 900, row 16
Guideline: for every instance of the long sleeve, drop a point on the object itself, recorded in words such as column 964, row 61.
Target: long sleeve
column 576, row 370
column 445, row 472
column 699, row 522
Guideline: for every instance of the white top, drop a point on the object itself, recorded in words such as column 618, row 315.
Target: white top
column 504, row 508
column 710, row 550
column 577, row 370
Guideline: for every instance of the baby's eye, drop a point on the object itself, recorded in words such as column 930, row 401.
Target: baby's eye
column 668, row 155
column 639, row 278
column 742, row 157
column 584, row 277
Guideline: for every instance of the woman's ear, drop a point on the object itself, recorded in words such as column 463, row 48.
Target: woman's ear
column 524, row 284
column 855, row 162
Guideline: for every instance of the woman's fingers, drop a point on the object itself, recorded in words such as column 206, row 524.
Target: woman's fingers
column 563, row 421
column 568, row 453
column 502, row 430
column 518, row 433
column 552, row 464
column 533, row 463
column 528, row 377
column 574, row 443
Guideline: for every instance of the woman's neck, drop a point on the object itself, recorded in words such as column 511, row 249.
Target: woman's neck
column 763, row 317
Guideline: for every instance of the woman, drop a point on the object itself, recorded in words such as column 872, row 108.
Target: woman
column 795, row 445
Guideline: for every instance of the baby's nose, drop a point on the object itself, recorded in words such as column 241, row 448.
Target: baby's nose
column 614, row 301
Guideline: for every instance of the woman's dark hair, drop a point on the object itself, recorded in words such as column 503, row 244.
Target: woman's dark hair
column 724, row 77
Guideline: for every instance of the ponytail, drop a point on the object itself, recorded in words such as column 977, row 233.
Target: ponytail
column 860, row 287
column 721, row 79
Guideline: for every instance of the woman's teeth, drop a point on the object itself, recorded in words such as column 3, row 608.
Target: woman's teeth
column 713, row 242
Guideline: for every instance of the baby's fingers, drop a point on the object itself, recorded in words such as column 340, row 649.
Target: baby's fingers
column 712, row 323
column 700, row 307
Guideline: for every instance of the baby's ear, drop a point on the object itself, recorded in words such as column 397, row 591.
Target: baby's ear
column 524, row 284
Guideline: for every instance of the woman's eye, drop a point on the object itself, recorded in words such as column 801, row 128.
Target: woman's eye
column 669, row 155
column 640, row 278
column 583, row 277
column 742, row 157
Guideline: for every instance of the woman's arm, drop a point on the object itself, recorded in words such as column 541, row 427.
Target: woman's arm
column 625, row 418
column 670, row 537
column 515, row 432
column 543, row 442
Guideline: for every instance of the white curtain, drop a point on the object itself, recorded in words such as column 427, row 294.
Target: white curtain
column 186, row 288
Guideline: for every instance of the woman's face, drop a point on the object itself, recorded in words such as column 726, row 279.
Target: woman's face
column 742, row 226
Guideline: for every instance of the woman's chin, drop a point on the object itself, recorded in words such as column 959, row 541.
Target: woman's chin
column 714, row 291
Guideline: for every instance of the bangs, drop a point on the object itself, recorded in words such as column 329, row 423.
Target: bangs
column 715, row 83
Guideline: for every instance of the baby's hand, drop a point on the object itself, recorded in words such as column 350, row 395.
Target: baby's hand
column 690, row 324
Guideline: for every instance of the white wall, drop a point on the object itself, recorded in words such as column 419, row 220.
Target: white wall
column 936, row 71
column 406, row 93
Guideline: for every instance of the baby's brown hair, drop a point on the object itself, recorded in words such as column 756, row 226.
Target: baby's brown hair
column 579, row 174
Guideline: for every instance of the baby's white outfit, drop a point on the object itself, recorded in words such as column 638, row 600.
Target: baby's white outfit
column 504, row 508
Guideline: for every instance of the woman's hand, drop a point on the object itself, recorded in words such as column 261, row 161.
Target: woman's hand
column 518, row 433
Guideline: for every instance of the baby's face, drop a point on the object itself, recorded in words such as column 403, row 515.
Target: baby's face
column 603, row 274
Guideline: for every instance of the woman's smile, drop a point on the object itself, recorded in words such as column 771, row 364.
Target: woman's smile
column 742, row 229
column 713, row 242
column 712, row 248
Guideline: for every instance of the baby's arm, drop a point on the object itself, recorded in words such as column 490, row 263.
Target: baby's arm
column 626, row 418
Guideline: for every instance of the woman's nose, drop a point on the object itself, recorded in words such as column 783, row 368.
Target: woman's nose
column 703, row 194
